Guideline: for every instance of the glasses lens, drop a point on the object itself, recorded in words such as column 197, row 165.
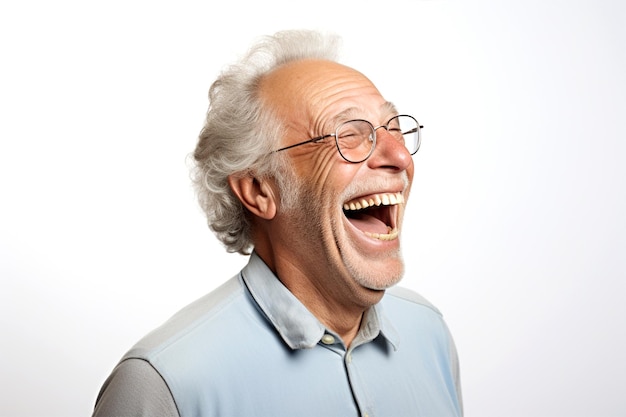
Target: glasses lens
column 407, row 130
column 355, row 140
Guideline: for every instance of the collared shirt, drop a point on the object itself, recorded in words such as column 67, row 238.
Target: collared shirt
column 251, row 348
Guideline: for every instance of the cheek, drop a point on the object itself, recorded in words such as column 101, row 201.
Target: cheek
column 326, row 172
column 313, row 163
column 336, row 183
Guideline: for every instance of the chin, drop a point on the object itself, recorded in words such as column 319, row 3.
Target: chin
column 377, row 274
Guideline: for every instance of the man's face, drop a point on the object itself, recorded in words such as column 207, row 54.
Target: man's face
column 325, row 234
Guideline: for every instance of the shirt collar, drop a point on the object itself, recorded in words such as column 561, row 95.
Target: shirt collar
column 298, row 327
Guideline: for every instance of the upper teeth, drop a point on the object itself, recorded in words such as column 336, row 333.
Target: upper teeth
column 385, row 199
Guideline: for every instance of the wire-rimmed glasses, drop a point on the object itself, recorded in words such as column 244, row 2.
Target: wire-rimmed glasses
column 356, row 139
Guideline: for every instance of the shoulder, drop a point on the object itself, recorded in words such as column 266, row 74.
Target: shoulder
column 152, row 375
column 197, row 317
column 410, row 298
column 416, row 319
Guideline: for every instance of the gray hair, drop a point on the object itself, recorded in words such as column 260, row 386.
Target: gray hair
column 240, row 132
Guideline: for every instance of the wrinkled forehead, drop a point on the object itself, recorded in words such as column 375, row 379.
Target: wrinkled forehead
column 323, row 92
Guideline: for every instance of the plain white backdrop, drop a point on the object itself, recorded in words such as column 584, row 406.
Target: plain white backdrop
column 515, row 230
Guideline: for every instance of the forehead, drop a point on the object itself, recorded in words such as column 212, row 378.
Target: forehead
column 321, row 92
column 386, row 110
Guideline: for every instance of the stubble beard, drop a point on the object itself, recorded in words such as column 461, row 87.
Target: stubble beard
column 297, row 200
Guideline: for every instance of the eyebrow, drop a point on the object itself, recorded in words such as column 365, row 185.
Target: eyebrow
column 389, row 109
column 351, row 113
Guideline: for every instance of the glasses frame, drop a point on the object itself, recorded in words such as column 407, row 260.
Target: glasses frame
column 417, row 130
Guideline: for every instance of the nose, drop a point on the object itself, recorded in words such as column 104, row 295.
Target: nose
column 389, row 153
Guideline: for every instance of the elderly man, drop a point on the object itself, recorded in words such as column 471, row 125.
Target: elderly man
column 304, row 165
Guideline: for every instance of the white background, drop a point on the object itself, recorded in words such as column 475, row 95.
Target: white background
column 516, row 227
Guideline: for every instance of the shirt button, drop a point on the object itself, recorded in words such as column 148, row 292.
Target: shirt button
column 328, row 339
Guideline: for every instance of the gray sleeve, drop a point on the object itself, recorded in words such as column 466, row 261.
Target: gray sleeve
column 135, row 388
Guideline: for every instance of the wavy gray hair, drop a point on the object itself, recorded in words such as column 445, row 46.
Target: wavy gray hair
column 240, row 132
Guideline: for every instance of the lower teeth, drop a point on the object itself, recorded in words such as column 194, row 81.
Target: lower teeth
column 390, row 235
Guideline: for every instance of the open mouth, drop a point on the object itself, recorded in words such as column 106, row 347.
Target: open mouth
column 375, row 215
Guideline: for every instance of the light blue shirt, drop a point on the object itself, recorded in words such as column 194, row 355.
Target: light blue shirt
column 251, row 348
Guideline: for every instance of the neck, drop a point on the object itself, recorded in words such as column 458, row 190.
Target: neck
column 339, row 308
column 346, row 327
column 342, row 318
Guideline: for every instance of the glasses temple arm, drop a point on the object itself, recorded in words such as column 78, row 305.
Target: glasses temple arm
column 303, row 143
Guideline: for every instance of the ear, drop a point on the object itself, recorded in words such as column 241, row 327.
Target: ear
column 257, row 195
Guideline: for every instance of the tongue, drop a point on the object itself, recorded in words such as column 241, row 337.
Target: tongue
column 368, row 223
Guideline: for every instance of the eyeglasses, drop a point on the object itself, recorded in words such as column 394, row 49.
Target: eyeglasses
column 356, row 139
